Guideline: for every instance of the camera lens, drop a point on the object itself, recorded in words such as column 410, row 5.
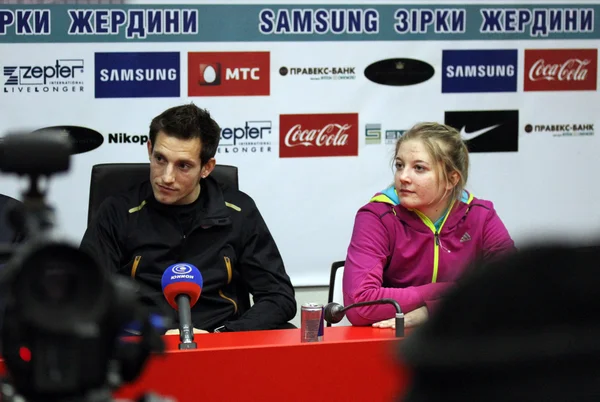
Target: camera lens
column 57, row 284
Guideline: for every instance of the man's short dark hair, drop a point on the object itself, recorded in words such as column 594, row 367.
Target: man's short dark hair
column 187, row 122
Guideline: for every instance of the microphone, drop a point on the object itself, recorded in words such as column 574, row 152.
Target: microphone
column 182, row 285
column 335, row 312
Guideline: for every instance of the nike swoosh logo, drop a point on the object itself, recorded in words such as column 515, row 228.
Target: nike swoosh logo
column 469, row 136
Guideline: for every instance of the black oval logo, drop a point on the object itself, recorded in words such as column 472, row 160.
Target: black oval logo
column 82, row 139
column 399, row 72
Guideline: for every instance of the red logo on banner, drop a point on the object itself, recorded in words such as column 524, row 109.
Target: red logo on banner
column 228, row 73
column 306, row 135
column 560, row 69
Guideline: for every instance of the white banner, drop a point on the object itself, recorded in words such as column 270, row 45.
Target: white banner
column 311, row 100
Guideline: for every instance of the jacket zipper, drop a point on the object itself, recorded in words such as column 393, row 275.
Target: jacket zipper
column 229, row 276
column 436, row 236
column 227, row 265
column 136, row 263
column 229, row 271
column 235, row 307
column 436, row 256
column 183, row 235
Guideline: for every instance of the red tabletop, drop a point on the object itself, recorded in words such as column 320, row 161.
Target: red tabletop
column 351, row 364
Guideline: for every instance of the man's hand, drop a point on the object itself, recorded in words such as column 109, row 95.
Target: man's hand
column 176, row 331
column 412, row 319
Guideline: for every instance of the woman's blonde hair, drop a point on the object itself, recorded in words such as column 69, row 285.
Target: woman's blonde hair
column 444, row 145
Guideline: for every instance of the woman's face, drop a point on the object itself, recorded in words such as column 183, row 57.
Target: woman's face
column 417, row 179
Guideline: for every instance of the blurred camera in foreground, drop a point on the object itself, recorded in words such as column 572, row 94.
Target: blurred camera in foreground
column 62, row 313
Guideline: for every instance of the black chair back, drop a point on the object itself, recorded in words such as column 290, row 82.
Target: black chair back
column 115, row 178
column 334, row 268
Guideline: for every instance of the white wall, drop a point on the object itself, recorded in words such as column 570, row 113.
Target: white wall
column 312, row 294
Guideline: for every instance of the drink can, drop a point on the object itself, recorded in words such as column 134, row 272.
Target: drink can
column 311, row 322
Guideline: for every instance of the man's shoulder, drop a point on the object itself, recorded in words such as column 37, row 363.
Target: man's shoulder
column 238, row 200
column 124, row 201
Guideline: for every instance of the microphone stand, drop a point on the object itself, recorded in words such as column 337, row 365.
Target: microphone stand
column 399, row 315
column 186, row 330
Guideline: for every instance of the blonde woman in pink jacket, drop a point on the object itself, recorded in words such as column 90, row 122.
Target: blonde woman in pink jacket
column 413, row 240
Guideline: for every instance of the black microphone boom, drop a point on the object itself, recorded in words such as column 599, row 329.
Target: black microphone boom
column 186, row 329
column 335, row 312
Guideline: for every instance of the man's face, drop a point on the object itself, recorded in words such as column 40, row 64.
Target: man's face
column 175, row 169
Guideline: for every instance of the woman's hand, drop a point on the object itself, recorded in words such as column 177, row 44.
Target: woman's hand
column 411, row 319
column 391, row 323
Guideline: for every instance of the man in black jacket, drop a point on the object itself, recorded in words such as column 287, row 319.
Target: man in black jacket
column 183, row 215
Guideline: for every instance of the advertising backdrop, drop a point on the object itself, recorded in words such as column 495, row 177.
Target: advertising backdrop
column 311, row 99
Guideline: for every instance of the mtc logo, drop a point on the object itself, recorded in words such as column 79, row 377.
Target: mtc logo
column 228, row 73
column 210, row 74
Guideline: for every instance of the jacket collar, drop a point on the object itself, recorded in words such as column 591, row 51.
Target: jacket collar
column 458, row 212
column 211, row 208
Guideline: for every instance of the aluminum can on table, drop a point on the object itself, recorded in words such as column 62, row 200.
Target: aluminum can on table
column 311, row 322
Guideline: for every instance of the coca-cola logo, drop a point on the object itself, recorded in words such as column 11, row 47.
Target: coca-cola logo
column 330, row 135
column 560, row 69
column 305, row 135
column 572, row 69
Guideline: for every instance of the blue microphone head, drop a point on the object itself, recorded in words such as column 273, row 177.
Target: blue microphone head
column 181, row 278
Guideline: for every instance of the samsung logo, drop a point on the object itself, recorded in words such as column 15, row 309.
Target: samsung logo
column 137, row 74
column 480, row 71
column 129, row 74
